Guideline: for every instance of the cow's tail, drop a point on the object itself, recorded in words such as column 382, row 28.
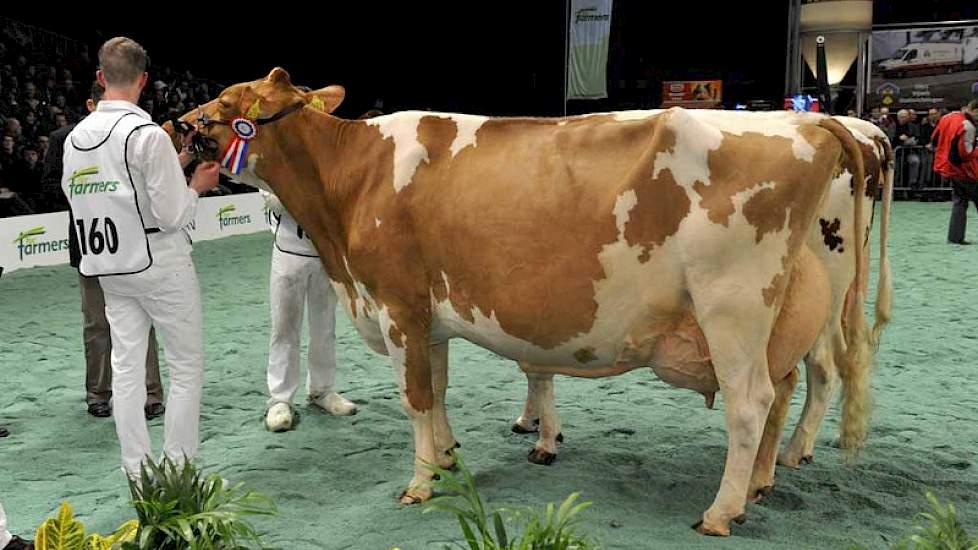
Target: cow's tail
column 884, row 287
column 856, row 367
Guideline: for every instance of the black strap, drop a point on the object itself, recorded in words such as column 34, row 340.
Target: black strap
column 71, row 138
column 151, row 230
column 205, row 121
column 284, row 112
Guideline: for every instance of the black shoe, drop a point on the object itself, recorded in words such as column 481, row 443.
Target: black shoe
column 965, row 243
column 4, row 432
column 18, row 543
column 100, row 410
column 154, row 410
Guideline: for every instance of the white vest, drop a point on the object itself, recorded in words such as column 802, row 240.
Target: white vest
column 102, row 196
column 290, row 238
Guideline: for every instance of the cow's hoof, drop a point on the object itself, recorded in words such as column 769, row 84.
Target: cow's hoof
column 519, row 428
column 414, row 496
column 711, row 531
column 741, row 519
column 808, row 459
column 560, row 437
column 790, row 460
column 447, row 462
column 760, row 494
column 537, row 456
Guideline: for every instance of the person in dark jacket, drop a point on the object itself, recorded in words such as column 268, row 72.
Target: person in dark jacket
column 905, row 139
column 928, row 125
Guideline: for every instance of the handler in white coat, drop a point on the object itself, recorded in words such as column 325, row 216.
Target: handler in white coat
column 298, row 279
column 130, row 205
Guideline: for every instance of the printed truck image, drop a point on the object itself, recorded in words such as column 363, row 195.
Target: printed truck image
column 930, row 58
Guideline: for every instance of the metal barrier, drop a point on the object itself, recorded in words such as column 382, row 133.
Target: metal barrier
column 914, row 172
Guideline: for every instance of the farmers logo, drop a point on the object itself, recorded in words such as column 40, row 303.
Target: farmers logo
column 226, row 217
column 586, row 15
column 78, row 183
column 29, row 244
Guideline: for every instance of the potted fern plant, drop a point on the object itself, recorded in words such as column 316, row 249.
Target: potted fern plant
column 178, row 508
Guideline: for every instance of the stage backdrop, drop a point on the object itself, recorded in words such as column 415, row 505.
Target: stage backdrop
column 28, row 241
column 921, row 68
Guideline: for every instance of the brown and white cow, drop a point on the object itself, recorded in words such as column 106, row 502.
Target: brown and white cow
column 551, row 241
column 831, row 242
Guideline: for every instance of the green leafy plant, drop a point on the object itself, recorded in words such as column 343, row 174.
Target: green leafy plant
column 484, row 528
column 64, row 532
column 936, row 529
column 180, row 509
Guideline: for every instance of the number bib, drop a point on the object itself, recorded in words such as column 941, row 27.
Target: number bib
column 104, row 208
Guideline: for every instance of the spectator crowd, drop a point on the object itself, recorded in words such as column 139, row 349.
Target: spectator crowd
column 43, row 89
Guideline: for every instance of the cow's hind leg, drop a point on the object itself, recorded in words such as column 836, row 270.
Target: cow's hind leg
column 822, row 380
column 444, row 439
column 408, row 345
column 762, row 479
column 739, row 353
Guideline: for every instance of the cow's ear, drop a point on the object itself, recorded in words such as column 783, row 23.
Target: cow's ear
column 326, row 99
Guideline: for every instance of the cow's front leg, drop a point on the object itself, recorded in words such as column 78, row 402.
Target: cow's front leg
column 445, row 441
column 739, row 354
column 408, row 345
column 762, row 480
column 542, row 390
column 529, row 421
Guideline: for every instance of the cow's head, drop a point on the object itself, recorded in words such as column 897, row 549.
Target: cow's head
column 265, row 104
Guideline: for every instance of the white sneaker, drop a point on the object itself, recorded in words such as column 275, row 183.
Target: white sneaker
column 279, row 418
column 335, row 404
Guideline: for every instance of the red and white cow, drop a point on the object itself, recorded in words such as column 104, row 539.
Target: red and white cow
column 552, row 241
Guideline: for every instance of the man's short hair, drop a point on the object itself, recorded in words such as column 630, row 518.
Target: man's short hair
column 122, row 60
column 97, row 92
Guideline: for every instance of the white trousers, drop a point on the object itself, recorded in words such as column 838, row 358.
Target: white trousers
column 5, row 535
column 294, row 282
column 169, row 299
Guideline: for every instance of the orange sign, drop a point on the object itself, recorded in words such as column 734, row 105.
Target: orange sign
column 694, row 94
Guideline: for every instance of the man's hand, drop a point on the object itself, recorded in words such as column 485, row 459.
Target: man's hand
column 205, row 177
column 186, row 154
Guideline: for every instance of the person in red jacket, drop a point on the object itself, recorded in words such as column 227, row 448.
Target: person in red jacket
column 956, row 158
